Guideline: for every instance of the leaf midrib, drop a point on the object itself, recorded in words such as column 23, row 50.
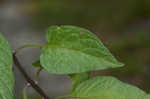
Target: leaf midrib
column 58, row 47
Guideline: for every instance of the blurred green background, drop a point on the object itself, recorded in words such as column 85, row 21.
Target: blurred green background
column 122, row 25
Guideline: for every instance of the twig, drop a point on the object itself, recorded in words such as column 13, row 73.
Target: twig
column 29, row 80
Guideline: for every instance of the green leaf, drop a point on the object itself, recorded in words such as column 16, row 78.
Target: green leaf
column 6, row 74
column 72, row 49
column 107, row 88
column 37, row 64
column 78, row 78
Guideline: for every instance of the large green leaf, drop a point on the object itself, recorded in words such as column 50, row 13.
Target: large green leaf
column 72, row 49
column 6, row 74
column 107, row 88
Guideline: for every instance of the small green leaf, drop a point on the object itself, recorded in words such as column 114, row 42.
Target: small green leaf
column 105, row 87
column 6, row 74
column 40, row 68
column 36, row 63
column 78, row 78
column 72, row 49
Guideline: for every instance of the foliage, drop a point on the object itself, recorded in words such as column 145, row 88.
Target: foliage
column 106, row 87
column 75, row 52
column 6, row 74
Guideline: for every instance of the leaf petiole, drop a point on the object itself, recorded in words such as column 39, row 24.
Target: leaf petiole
column 29, row 45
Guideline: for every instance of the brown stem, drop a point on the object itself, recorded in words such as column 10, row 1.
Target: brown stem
column 29, row 80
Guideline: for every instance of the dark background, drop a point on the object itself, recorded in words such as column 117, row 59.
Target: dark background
column 122, row 25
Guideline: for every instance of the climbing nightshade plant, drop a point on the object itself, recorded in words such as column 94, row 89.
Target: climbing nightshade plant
column 75, row 52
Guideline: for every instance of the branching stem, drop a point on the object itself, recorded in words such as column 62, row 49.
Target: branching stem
column 27, row 77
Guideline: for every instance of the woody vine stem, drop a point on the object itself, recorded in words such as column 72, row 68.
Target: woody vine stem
column 28, row 78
